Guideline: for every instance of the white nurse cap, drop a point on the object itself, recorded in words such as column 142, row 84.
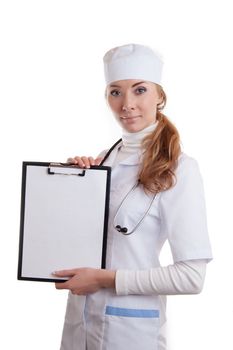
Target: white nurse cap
column 132, row 61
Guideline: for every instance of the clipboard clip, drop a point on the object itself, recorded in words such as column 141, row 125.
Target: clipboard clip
column 65, row 169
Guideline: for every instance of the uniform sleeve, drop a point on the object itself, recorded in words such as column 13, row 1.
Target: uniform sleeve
column 185, row 277
column 183, row 214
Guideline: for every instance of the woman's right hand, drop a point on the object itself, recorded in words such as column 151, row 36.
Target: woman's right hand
column 84, row 162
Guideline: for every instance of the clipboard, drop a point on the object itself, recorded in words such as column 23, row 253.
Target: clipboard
column 64, row 219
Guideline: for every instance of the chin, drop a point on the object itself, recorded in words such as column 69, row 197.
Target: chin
column 135, row 128
column 132, row 129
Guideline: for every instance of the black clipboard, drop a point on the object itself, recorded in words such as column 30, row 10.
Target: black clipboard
column 64, row 219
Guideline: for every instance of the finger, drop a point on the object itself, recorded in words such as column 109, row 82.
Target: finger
column 62, row 285
column 74, row 292
column 86, row 162
column 91, row 160
column 71, row 161
column 79, row 161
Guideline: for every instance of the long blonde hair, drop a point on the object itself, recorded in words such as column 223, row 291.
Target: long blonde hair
column 162, row 149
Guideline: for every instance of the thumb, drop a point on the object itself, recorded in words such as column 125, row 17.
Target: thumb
column 98, row 160
column 65, row 273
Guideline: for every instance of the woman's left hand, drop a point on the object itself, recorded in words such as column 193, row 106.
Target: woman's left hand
column 85, row 280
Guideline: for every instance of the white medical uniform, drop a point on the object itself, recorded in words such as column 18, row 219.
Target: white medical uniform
column 107, row 321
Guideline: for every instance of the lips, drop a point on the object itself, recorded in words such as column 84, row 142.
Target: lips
column 131, row 117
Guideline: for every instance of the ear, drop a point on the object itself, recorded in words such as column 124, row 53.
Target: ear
column 160, row 100
column 159, row 94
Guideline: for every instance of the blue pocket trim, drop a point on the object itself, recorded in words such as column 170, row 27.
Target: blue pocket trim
column 141, row 313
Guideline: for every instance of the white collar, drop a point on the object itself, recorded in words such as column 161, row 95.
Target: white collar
column 132, row 140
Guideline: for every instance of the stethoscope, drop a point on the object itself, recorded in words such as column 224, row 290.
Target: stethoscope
column 119, row 228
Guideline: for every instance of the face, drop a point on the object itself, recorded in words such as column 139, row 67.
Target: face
column 133, row 103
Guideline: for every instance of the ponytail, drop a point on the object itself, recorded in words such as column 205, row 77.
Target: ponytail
column 162, row 149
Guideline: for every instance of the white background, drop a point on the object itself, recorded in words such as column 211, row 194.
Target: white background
column 52, row 106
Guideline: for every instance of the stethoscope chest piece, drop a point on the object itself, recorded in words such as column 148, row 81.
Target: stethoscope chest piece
column 123, row 230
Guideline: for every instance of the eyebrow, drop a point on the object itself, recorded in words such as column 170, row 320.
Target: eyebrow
column 140, row 82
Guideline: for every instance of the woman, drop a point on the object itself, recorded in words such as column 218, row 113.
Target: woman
column 156, row 195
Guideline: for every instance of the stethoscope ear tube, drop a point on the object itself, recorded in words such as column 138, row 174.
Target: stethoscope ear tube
column 110, row 151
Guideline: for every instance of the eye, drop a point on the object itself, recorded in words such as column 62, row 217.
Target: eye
column 115, row 93
column 140, row 90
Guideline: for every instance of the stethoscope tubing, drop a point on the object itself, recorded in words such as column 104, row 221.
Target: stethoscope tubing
column 120, row 229
column 124, row 230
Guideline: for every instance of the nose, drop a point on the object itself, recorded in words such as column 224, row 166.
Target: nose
column 128, row 103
